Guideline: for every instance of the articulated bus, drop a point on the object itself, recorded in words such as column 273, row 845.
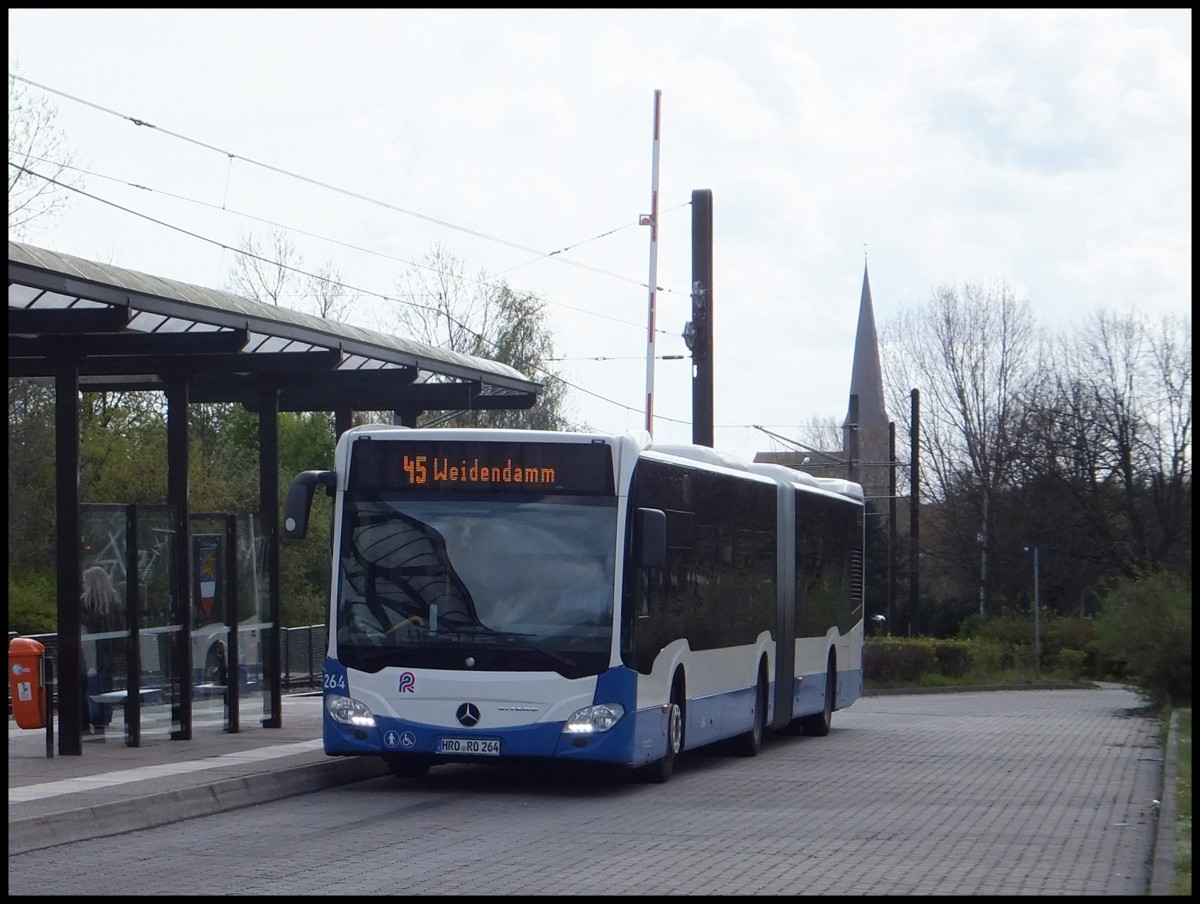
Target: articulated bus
column 520, row 594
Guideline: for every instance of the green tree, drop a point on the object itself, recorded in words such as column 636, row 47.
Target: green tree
column 225, row 473
column 306, row 441
column 31, row 522
column 122, row 448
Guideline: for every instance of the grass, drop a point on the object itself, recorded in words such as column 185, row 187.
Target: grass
column 1007, row 677
column 1182, row 883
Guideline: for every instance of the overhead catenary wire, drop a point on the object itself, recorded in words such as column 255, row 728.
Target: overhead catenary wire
column 294, row 229
column 784, row 439
column 311, row 275
column 231, row 155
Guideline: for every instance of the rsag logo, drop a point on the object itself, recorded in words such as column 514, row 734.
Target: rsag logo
column 408, row 683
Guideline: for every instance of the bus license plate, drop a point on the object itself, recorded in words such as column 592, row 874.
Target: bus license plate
column 469, row 746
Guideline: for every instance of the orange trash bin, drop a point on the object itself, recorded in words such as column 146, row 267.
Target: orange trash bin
column 25, row 682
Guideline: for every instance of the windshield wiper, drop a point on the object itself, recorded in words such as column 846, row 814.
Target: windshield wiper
column 525, row 641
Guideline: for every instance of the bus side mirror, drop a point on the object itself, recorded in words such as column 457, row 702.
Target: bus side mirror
column 650, row 537
column 299, row 500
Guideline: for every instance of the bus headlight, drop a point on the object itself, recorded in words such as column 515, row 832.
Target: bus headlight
column 592, row 719
column 348, row 711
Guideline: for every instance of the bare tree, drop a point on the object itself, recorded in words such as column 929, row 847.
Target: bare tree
column 444, row 308
column 1138, row 381
column 40, row 160
column 275, row 273
column 820, row 447
column 1171, row 417
column 265, row 273
column 972, row 355
column 1105, row 478
column 823, row 434
column 327, row 290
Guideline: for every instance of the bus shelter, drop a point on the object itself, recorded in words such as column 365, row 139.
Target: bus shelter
column 84, row 326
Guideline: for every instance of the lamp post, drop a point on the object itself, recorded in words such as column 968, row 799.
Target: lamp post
column 982, row 538
column 1037, row 609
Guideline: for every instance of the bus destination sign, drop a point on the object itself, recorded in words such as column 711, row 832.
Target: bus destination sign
column 492, row 467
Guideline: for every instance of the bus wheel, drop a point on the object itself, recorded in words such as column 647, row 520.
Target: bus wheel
column 818, row 724
column 659, row 772
column 409, row 766
column 750, row 743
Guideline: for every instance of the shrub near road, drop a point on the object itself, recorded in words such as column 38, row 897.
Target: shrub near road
column 1144, row 631
column 1142, row 636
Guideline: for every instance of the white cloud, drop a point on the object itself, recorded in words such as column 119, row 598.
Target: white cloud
column 1048, row 148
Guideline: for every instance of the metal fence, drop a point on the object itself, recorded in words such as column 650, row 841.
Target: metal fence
column 302, row 650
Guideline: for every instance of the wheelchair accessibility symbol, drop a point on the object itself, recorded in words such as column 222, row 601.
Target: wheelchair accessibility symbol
column 404, row 740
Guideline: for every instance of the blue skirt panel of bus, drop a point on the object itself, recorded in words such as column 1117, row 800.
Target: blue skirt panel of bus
column 397, row 736
column 809, row 693
column 635, row 739
column 849, row 687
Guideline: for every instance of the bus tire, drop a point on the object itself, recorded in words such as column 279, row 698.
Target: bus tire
column 818, row 724
column 659, row 772
column 750, row 742
column 409, row 766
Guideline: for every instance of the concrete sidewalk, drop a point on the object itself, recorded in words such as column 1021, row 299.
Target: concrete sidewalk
column 112, row 788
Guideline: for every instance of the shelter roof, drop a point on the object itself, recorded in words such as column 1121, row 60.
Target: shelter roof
column 134, row 331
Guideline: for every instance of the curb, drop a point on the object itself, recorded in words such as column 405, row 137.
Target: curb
column 1162, row 858
column 976, row 688
column 85, row 823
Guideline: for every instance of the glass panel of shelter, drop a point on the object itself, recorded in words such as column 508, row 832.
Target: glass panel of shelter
column 120, row 541
column 229, row 586
column 230, row 626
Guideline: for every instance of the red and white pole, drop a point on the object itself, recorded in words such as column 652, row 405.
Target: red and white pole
column 652, row 221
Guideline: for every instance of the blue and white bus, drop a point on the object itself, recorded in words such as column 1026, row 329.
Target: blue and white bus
column 518, row 594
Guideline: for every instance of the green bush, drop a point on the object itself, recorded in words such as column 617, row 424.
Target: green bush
column 1065, row 633
column 953, row 657
column 1145, row 627
column 987, row 659
column 1071, row 664
column 1024, row 658
column 936, row 679
column 928, row 662
column 898, row 660
column 1006, row 629
column 32, row 604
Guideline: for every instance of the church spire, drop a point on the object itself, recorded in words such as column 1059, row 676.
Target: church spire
column 866, row 376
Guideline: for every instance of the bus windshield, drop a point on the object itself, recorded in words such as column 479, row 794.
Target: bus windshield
column 490, row 584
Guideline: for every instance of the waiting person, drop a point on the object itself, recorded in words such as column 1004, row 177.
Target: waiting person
column 100, row 614
column 220, row 672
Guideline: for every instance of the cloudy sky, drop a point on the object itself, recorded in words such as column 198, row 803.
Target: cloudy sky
column 1051, row 150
